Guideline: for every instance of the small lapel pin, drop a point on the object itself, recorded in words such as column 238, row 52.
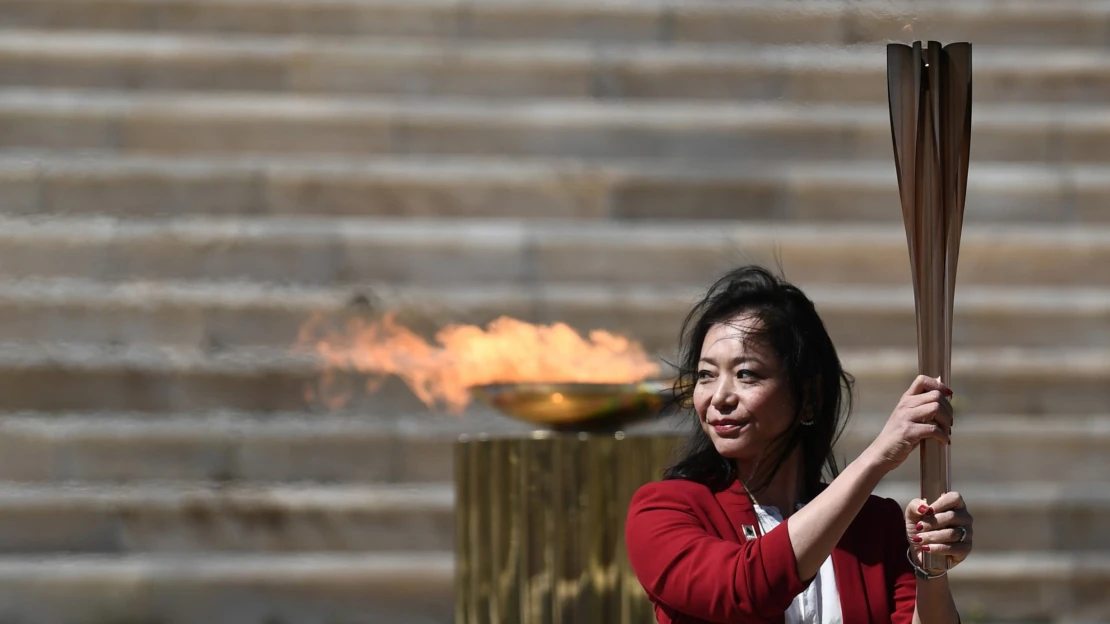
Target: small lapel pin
column 749, row 532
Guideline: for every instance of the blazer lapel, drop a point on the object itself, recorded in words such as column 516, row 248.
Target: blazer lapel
column 739, row 511
column 850, row 585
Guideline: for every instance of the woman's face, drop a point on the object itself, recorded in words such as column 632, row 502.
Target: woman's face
column 741, row 397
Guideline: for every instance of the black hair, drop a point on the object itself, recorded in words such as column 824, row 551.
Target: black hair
column 821, row 389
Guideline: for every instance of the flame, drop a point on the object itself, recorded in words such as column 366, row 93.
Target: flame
column 464, row 356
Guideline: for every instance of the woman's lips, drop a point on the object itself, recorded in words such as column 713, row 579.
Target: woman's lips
column 727, row 426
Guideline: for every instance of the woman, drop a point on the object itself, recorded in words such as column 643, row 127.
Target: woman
column 743, row 528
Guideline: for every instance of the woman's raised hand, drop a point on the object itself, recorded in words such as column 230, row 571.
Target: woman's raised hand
column 923, row 413
column 943, row 528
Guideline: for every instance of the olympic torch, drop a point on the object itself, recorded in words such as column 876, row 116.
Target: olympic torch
column 929, row 90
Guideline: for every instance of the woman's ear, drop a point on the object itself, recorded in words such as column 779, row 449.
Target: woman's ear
column 810, row 400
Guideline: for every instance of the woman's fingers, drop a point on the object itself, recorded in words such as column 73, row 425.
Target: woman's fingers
column 938, row 410
column 924, row 383
column 945, row 542
column 915, row 510
column 920, row 431
column 923, row 413
column 921, row 383
column 942, row 536
column 934, row 413
column 917, row 400
column 949, row 500
column 929, row 407
column 943, row 520
column 958, row 551
column 944, row 528
column 947, row 511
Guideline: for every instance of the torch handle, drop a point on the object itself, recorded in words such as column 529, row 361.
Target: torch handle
column 934, row 482
column 935, row 361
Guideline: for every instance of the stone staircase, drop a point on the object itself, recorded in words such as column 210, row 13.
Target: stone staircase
column 184, row 182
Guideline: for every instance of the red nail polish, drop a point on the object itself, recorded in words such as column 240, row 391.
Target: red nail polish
column 917, row 538
column 925, row 548
column 920, row 527
column 948, row 392
column 922, row 509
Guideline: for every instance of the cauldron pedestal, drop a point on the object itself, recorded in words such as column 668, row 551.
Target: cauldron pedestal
column 539, row 523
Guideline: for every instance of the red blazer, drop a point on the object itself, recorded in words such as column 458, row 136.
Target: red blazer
column 687, row 547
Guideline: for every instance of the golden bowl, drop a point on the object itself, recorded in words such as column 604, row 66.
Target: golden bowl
column 587, row 405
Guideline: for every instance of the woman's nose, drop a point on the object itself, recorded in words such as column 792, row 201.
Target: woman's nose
column 724, row 396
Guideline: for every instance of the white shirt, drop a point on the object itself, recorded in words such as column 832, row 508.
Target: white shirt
column 820, row 602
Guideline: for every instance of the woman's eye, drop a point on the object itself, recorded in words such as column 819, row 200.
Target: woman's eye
column 704, row 374
column 745, row 374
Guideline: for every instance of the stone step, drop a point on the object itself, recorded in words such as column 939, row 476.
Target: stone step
column 413, row 448
column 1022, row 22
column 154, row 517
column 1031, row 516
column 177, row 123
column 216, row 315
column 179, row 517
column 231, row 447
column 417, row 588
column 324, row 588
column 440, row 252
column 1001, row 449
column 268, row 380
column 103, row 183
column 436, row 68
column 159, row 379
column 1021, row 586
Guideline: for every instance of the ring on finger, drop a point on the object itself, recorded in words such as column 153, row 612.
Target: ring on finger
column 963, row 533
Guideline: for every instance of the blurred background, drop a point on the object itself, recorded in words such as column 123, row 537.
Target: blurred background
column 184, row 184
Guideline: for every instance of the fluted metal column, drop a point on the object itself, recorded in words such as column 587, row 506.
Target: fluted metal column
column 540, row 526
